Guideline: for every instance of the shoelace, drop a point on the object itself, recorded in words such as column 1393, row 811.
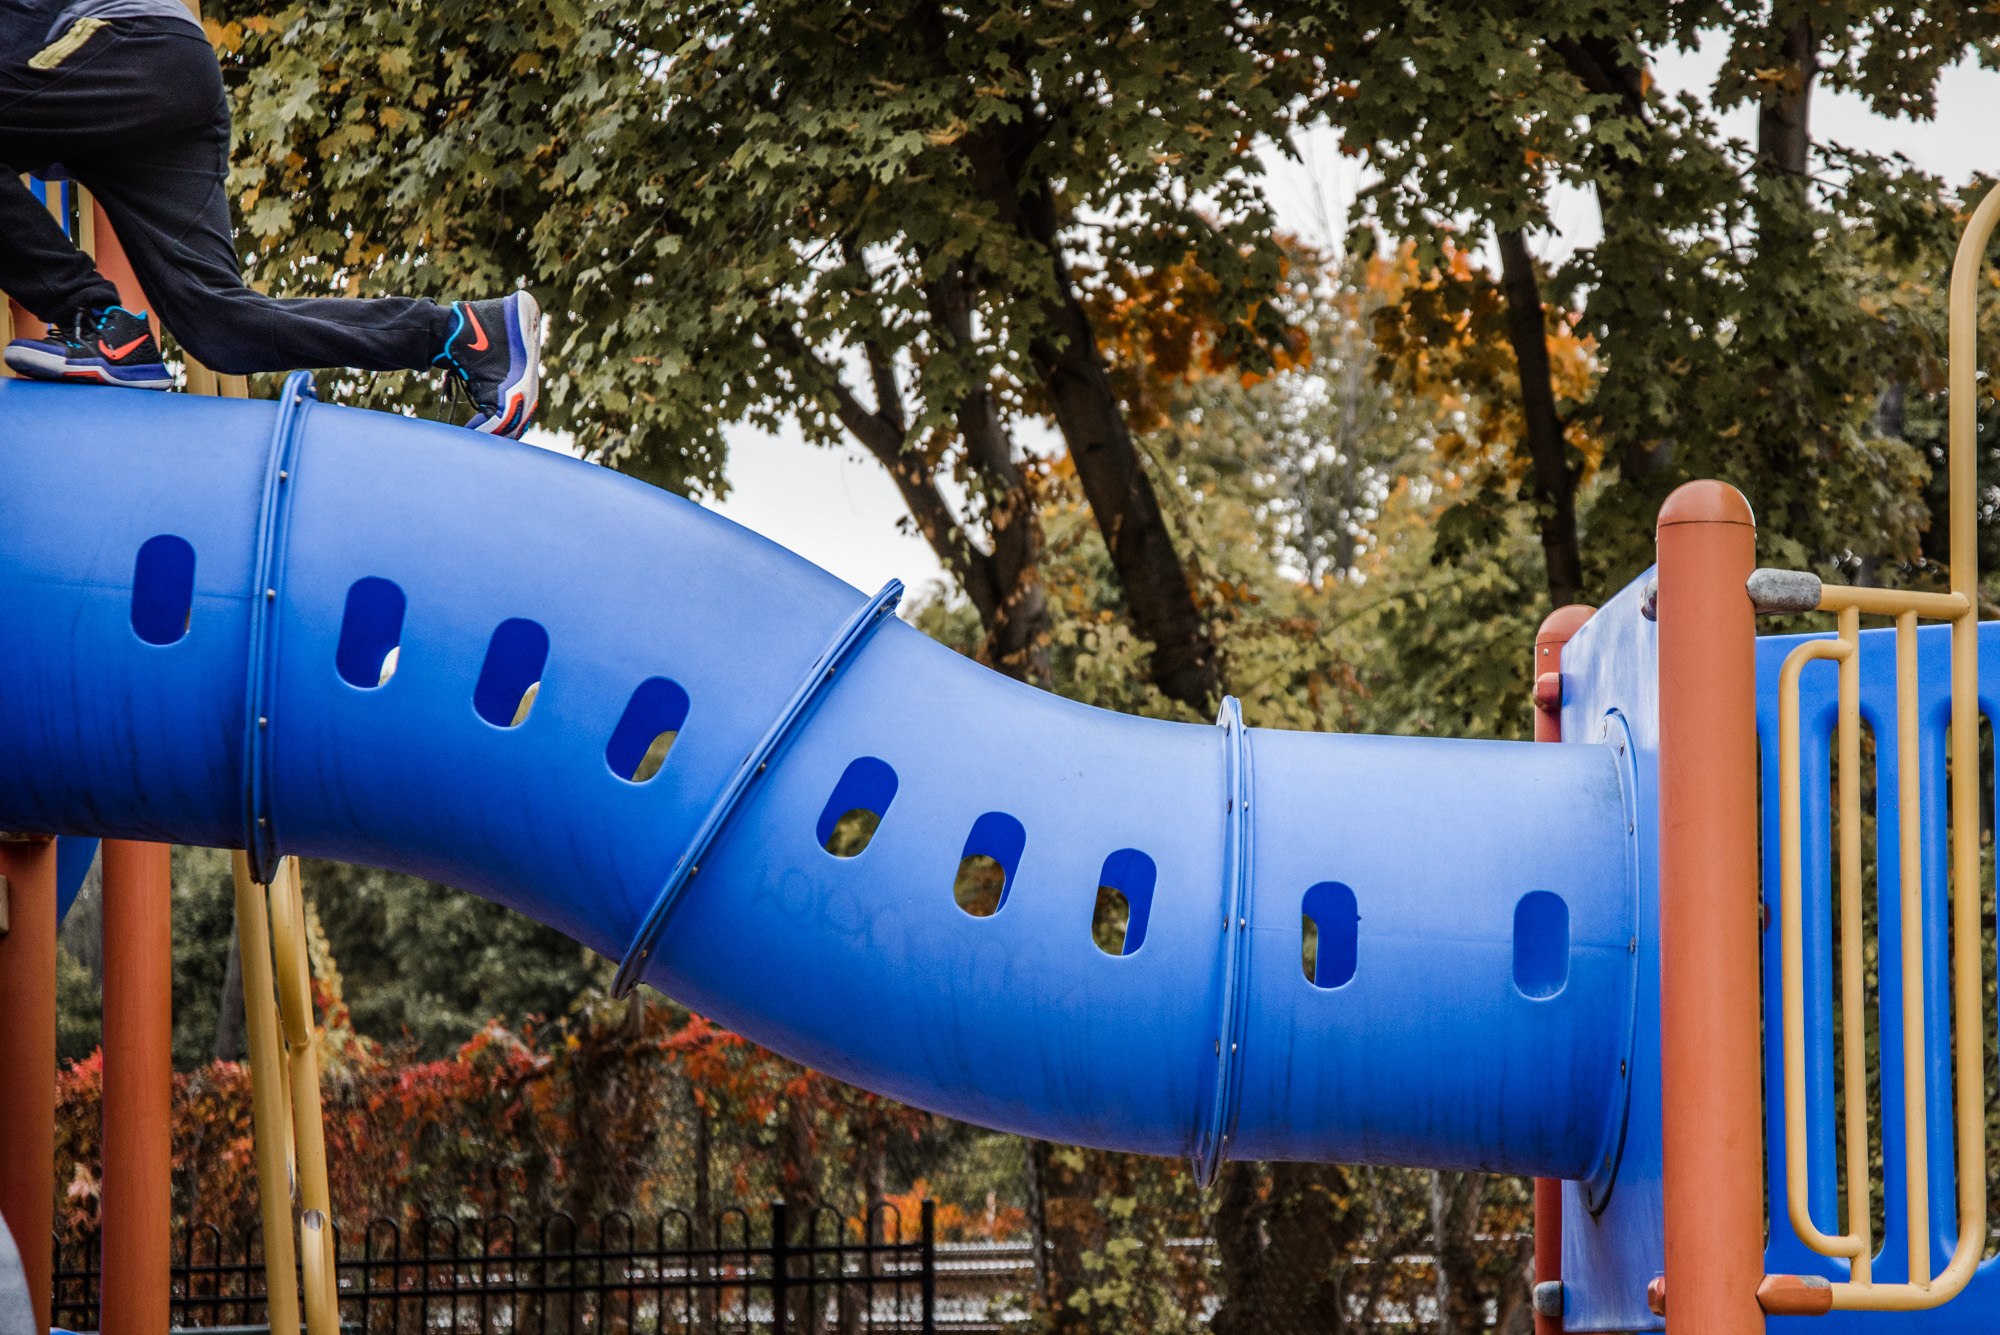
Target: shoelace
column 452, row 388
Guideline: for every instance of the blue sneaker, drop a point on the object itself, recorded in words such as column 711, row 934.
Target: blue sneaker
column 495, row 351
column 113, row 347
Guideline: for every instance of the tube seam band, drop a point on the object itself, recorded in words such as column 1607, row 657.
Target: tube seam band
column 1218, row 1121
column 260, row 835
column 832, row 661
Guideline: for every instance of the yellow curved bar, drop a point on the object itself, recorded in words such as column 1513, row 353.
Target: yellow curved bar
column 1854, row 1243
column 1891, row 602
column 1853, row 962
column 1967, row 980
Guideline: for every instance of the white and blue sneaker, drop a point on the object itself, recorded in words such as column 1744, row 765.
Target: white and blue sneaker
column 495, row 351
column 112, row 347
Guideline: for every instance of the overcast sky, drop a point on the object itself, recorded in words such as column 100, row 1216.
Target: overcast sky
column 838, row 508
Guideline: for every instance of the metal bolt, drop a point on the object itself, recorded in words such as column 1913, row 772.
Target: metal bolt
column 1239, row 924
column 263, row 822
column 1621, row 1068
column 270, row 594
column 263, row 722
column 761, row 765
column 1632, row 946
column 1232, row 1047
column 283, row 475
column 1218, row 1047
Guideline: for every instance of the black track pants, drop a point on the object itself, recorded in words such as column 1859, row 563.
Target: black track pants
column 137, row 114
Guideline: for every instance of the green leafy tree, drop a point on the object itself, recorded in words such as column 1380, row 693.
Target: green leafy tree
column 887, row 223
column 1747, row 311
column 425, row 964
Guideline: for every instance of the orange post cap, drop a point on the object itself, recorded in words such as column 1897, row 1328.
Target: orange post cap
column 1564, row 622
column 1795, row 1295
column 1706, row 502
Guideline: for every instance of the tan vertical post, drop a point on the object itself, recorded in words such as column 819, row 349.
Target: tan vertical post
column 308, row 1129
column 138, row 1086
column 1555, row 632
column 28, row 1058
column 270, row 1104
column 1710, row 1063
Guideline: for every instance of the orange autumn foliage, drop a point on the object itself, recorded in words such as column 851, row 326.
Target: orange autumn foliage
column 563, row 1115
column 995, row 1223
column 1443, row 334
column 1162, row 328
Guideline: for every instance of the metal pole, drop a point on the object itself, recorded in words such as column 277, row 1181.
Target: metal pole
column 28, row 1058
column 929, row 1215
column 1710, row 1062
column 781, row 1261
column 138, row 1086
column 1556, row 630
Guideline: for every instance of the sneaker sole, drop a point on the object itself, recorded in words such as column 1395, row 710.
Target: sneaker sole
column 520, row 394
column 41, row 363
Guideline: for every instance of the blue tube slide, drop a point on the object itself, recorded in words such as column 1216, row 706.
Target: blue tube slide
column 307, row 629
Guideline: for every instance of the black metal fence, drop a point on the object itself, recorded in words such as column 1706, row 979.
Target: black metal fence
column 810, row 1274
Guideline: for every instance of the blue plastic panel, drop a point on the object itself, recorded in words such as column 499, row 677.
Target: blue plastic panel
column 1613, row 1237
column 1973, row 1310
column 1609, row 1257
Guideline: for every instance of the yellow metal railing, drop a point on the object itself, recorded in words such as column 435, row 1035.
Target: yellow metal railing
column 1784, row 591
column 284, row 1092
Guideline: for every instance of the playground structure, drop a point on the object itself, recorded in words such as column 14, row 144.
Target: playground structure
column 303, row 630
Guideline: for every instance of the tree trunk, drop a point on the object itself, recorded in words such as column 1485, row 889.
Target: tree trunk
column 1072, row 1182
column 1284, row 1240
column 703, row 1306
column 1159, row 596
column 1238, row 1228
column 1014, row 612
column 229, row 1019
column 704, row 1172
column 1554, row 480
column 1784, row 133
column 1455, row 1207
column 799, row 1188
column 1004, row 586
column 1036, row 1152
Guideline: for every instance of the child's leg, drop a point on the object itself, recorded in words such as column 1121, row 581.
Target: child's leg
column 165, row 192
column 38, row 266
column 172, row 215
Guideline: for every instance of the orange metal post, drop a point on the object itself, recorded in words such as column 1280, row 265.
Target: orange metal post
column 138, row 1086
column 1557, row 628
column 111, row 262
column 1710, row 1064
column 28, row 1061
